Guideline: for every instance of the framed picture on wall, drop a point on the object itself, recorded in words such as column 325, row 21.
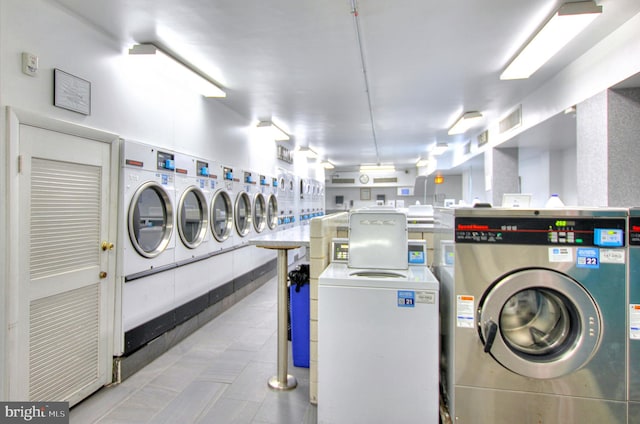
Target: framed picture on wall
column 365, row 194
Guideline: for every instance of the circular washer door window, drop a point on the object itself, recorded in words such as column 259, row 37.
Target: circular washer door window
column 259, row 212
column 243, row 214
column 540, row 323
column 150, row 219
column 192, row 217
column 221, row 215
column 272, row 212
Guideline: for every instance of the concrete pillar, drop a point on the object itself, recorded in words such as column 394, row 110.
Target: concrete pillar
column 608, row 149
column 501, row 169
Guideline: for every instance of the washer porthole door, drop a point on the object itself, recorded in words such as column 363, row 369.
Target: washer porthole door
column 272, row 212
column 221, row 216
column 150, row 219
column 192, row 217
column 539, row 323
column 259, row 212
column 243, row 214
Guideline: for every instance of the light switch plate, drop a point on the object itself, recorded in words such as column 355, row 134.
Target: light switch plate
column 29, row 64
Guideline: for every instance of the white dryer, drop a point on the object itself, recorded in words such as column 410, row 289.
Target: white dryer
column 268, row 191
column 243, row 207
column 192, row 201
column 221, row 220
column 148, row 217
column 304, row 199
column 286, row 202
column 192, row 274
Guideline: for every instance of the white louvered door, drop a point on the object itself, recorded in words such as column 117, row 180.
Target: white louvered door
column 64, row 220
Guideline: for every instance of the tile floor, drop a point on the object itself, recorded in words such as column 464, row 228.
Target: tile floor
column 217, row 375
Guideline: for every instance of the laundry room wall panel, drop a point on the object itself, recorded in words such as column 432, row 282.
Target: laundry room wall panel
column 473, row 184
column 563, row 175
column 533, row 168
column 192, row 280
column 142, row 301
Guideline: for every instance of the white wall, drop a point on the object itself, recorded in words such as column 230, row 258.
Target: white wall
column 473, row 185
column 534, row 174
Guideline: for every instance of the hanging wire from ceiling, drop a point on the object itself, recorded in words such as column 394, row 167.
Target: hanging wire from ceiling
column 356, row 20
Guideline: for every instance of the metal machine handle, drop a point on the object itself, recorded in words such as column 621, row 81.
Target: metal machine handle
column 491, row 329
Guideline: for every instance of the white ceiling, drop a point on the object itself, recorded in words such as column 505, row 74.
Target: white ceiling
column 299, row 62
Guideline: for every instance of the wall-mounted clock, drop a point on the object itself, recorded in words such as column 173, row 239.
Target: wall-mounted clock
column 364, row 178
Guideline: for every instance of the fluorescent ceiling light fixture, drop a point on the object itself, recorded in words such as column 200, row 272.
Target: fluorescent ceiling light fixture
column 422, row 162
column 327, row 165
column 567, row 22
column 438, row 149
column 306, row 151
column 466, row 121
column 176, row 70
column 273, row 131
column 380, row 168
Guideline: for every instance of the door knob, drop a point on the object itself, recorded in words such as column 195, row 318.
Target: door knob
column 107, row 246
column 103, row 275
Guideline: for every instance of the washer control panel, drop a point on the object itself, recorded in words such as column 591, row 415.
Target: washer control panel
column 602, row 232
column 416, row 251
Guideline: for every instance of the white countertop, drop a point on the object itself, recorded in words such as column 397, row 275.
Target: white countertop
column 290, row 238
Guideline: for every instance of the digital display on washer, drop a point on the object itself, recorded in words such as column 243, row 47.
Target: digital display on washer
column 417, row 253
column 603, row 232
column 634, row 231
column 202, row 168
column 166, row 161
column 227, row 173
column 340, row 250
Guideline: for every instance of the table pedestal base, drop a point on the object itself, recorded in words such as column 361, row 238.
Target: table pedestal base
column 275, row 383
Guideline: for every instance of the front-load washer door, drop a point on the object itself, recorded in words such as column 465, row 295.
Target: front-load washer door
column 150, row 219
column 259, row 212
column 539, row 323
column 193, row 217
column 272, row 212
column 243, row 214
column 221, row 215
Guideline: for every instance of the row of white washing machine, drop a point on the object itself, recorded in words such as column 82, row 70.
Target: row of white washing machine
column 185, row 225
column 300, row 199
column 543, row 321
column 168, row 195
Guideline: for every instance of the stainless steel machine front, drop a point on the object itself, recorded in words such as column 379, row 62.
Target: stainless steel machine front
column 634, row 316
column 540, row 312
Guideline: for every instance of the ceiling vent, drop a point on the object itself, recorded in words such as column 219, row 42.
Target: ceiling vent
column 483, row 138
column 387, row 180
column 343, row 181
column 512, row 121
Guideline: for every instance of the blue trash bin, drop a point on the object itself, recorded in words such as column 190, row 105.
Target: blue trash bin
column 300, row 319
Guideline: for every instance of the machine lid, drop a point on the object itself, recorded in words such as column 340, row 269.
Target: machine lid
column 377, row 274
column 413, row 278
column 378, row 239
column 539, row 323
